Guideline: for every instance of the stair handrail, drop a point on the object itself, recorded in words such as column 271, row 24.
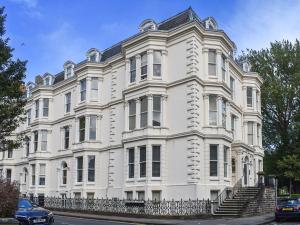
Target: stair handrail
column 227, row 193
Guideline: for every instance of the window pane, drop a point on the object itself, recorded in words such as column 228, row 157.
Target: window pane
column 212, row 56
column 132, row 107
column 44, row 140
column 213, row 168
column 213, row 110
column 45, row 107
column 213, row 152
column 83, row 89
column 155, row 161
column 93, row 120
column 157, row 57
column 91, row 168
column 81, row 128
column 249, row 96
column 212, row 69
column 156, row 103
column 142, row 161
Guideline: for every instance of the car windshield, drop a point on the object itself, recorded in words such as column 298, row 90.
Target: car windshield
column 24, row 203
column 289, row 202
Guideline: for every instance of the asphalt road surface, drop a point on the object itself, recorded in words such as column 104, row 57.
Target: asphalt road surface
column 64, row 220
column 289, row 222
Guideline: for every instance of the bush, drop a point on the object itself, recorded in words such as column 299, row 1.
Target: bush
column 295, row 195
column 9, row 193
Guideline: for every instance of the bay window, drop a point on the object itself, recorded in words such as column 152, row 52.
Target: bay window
column 37, row 108
column 143, row 161
column 91, row 168
column 212, row 62
column 42, row 174
column 132, row 69
column 83, row 90
column 45, row 107
column 156, row 111
column 144, row 66
column 93, row 126
column 250, row 126
column 213, row 160
column 132, row 114
column 81, row 128
column 94, row 87
column 144, row 111
column 80, row 169
column 249, row 97
column 156, row 161
column 157, row 63
column 213, row 111
column 131, row 163
column 35, row 140
column 44, row 134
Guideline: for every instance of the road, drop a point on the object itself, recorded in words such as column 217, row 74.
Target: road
column 64, row 220
column 290, row 222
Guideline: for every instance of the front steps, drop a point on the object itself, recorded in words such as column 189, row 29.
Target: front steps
column 234, row 207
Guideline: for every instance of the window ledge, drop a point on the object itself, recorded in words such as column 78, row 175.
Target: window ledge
column 156, row 179
column 91, row 183
column 129, row 180
column 212, row 76
column 214, row 178
column 78, row 184
column 63, row 186
column 141, row 179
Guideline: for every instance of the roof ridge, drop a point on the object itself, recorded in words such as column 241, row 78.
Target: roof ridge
column 178, row 14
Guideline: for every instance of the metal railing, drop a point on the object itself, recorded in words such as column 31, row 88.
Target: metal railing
column 227, row 193
column 118, row 206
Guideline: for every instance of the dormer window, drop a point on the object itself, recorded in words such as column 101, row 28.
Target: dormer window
column 69, row 69
column 148, row 24
column 93, row 55
column 29, row 88
column 48, row 78
column 210, row 23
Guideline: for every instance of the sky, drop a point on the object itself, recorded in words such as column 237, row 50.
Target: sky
column 47, row 33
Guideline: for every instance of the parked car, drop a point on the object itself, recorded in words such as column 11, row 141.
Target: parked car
column 29, row 213
column 287, row 208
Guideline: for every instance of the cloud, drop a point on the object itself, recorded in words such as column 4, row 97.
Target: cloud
column 30, row 7
column 61, row 45
column 256, row 23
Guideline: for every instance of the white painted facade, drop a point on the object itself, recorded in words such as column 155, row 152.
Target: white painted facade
column 200, row 114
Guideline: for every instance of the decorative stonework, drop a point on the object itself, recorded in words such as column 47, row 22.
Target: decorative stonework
column 193, row 156
column 192, row 58
column 111, row 168
column 193, row 106
column 112, row 124
column 113, row 85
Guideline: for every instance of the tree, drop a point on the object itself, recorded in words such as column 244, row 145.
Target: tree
column 12, row 100
column 279, row 67
column 9, row 193
column 290, row 164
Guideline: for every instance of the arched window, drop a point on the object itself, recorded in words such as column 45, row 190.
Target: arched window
column 64, row 173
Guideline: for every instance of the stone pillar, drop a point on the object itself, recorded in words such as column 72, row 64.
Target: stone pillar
column 164, row 66
column 164, row 111
column 150, row 64
column 219, row 113
column 77, row 93
column 219, row 65
column 206, row 110
column 138, row 68
column 138, row 113
column 88, row 89
column 254, row 98
column 150, row 110
column 205, row 63
column 255, row 134
column 87, row 127
column 148, row 162
column 244, row 92
column 245, row 133
column 126, row 109
column 228, row 116
column 127, row 72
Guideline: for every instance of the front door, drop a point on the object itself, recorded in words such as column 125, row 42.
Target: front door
column 245, row 171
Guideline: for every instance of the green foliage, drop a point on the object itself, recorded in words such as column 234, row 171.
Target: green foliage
column 9, row 194
column 290, row 165
column 12, row 101
column 279, row 66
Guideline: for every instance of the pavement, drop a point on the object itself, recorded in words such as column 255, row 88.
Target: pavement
column 91, row 219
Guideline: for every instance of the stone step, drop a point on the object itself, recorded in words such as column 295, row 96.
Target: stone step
column 229, row 210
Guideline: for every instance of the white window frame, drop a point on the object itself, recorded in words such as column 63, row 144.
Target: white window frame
column 79, row 170
column 144, row 114
column 93, row 127
column 156, row 161
column 157, row 113
column 250, row 132
column 83, row 90
column 143, row 161
column 42, row 174
column 91, row 169
column 94, row 88
column 45, row 107
column 132, row 114
column 157, row 58
column 68, row 102
column 131, row 162
column 144, row 66
column 213, row 112
column 82, row 129
column 213, row 161
column 249, row 94
column 212, row 63
column 44, row 140
column 132, row 66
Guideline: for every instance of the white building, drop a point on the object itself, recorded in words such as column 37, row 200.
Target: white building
column 164, row 114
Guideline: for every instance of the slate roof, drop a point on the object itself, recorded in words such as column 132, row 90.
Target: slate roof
column 179, row 19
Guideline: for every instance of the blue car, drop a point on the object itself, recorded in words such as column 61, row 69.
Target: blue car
column 29, row 213
column 287, row 209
